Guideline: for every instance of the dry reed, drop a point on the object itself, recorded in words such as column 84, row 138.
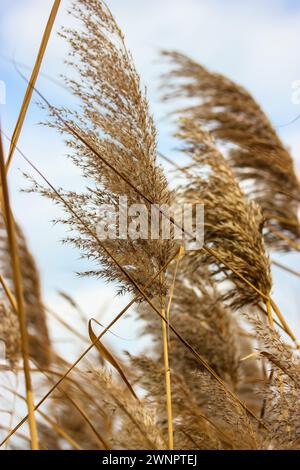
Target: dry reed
column 195, row 393
column 255, row 152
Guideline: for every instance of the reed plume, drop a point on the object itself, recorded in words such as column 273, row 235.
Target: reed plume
column 39, row 341
column 116, row 153
column 281, row 391
column 114, row 121
column 222, row 396
column 233, row 226
column 255, row 153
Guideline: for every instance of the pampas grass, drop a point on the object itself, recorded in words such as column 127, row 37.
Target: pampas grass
column 216, row 374
column 255, row 152
column 232, row 225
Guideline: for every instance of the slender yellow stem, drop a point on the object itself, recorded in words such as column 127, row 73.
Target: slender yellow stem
column 9, row 294
column 282, row 321
column 271, row 323
column 167, row 374
column 180, row 255
column 17, row 278
column 269, row 311
column 285, row 268
column 281, row 235
column 32, row 81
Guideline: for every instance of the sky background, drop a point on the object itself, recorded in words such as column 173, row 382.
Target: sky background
column 254, row 42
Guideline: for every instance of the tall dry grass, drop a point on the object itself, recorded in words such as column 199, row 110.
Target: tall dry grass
column 222, row 367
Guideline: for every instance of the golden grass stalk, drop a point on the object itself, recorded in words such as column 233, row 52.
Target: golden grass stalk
column 69, row 327
column 32, row 82
column 166, row 344
column 17, row 277
column 264, row 297
column 9, row 294
column 285, row 268
column 19, row 434
column 172, row 289
column 269, row 310
column 165, row 326
column 283, row 321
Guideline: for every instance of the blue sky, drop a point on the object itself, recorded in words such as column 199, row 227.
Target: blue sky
column 254, row 42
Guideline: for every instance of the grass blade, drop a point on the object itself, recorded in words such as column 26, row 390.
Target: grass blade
column 11, row 235
column 109, row 357
column 32, row 82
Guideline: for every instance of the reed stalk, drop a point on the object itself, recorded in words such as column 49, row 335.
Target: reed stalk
column 32, row 81
column 17, row 278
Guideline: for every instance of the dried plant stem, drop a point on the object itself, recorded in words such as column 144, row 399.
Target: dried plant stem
column 179, row 168
column 74, row 382
column 164, row 326
column 9, row 294
column 17, row 277
column 271, row 323
column 180, row 255
column 32, row 82
column 282, row 320
column 284, row 219
column 281, row 235
column 269, row 310
column 276, row 322
column 285, row 268
column 67, row 325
